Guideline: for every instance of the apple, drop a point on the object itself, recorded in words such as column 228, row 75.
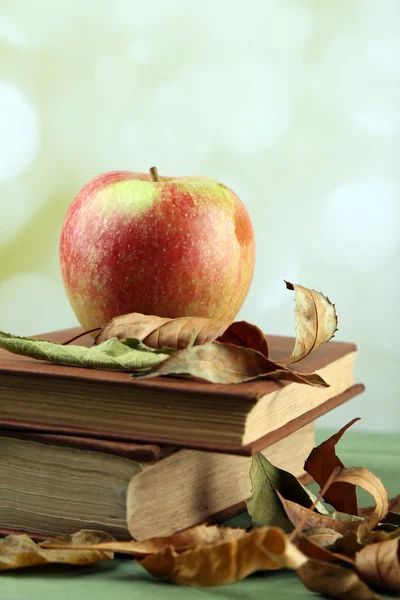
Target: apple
column 166, row 246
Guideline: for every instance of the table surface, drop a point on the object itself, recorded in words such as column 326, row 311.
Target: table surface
column 124, row 580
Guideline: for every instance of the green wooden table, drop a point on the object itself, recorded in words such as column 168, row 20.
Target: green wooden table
column 122, row 579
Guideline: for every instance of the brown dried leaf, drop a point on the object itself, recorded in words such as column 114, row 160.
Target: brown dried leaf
column 323, row 536
column 374, row 486
column 348, row 544
column 158, row 332
column 261, row 549
column 225, row 364
column 316, row 321
column 17, row 551
column 296, row 513
column 309, row 546
column 202, row 535
column 334, row 581
column 242, row 333
column 394, row 504
column 340, row 522
column 320, row 464
column 379, row 565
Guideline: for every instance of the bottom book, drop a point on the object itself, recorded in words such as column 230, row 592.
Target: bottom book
column 54, row 485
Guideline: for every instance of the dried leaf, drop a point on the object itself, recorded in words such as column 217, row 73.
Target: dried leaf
column 17, row 551
column 379, row 565
column 316, row 321
column 323, row 536
column 112, row 355
column 266, row 548
column 226, row 364
column 264, row 505
column 157, row 332
column 202, row 535
column 309, row 546
column 334, row 581
column 342, row 522
column 349, row 544
column 394, row 504
column 320, row 464
column 242, row 333
column 373, row 485
column 296, row 513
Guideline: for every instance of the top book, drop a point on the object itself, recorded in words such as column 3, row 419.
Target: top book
column 237, row 418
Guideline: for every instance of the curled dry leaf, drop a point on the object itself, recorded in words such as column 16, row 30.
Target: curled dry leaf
column 207, row 555
column 316, row 321
column 157, row 332
column 320, row 464
column 394, row 504
column 334, row 581
column 226, row 562
column 340, row 522
column 17, row 551
column 225, row 364
column 297, row 513
column 379, row 565
column 202, row 535
column 374, row 486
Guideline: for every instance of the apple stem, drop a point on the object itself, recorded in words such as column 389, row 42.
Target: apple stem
column 154, row 174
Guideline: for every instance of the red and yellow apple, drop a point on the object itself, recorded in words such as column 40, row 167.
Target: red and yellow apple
column 167, row 246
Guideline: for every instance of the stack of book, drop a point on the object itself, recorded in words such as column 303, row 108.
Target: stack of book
column 81, row 448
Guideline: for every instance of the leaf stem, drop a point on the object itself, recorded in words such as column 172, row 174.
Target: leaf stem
column 76, row 337
column 322, row 492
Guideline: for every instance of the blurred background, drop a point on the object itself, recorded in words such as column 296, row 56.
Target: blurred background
column 293, row 104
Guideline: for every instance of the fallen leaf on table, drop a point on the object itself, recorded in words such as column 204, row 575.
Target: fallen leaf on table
column 394, row 504
column 264, row 506
column 320, row 464
column 112, row 355
column 316, row 321
column 297, row 513
column 226, row 364
column 334, row 581
column 261, row 549
column 208, row 555
column 310, row 547
column 340, row 522
column 374, row 486
column 348, row 544
column 158, row 332
column 18, row 551
column 379, row 565
column 323, row 536
column 201, row 535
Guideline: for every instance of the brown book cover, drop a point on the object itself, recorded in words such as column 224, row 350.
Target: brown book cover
column 29, row 380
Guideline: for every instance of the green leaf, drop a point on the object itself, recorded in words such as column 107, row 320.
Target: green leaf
column 111, row 355
column 287, row 485
column 264, row 506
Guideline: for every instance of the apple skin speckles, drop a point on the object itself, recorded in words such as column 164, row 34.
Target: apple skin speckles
column 177, row 247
